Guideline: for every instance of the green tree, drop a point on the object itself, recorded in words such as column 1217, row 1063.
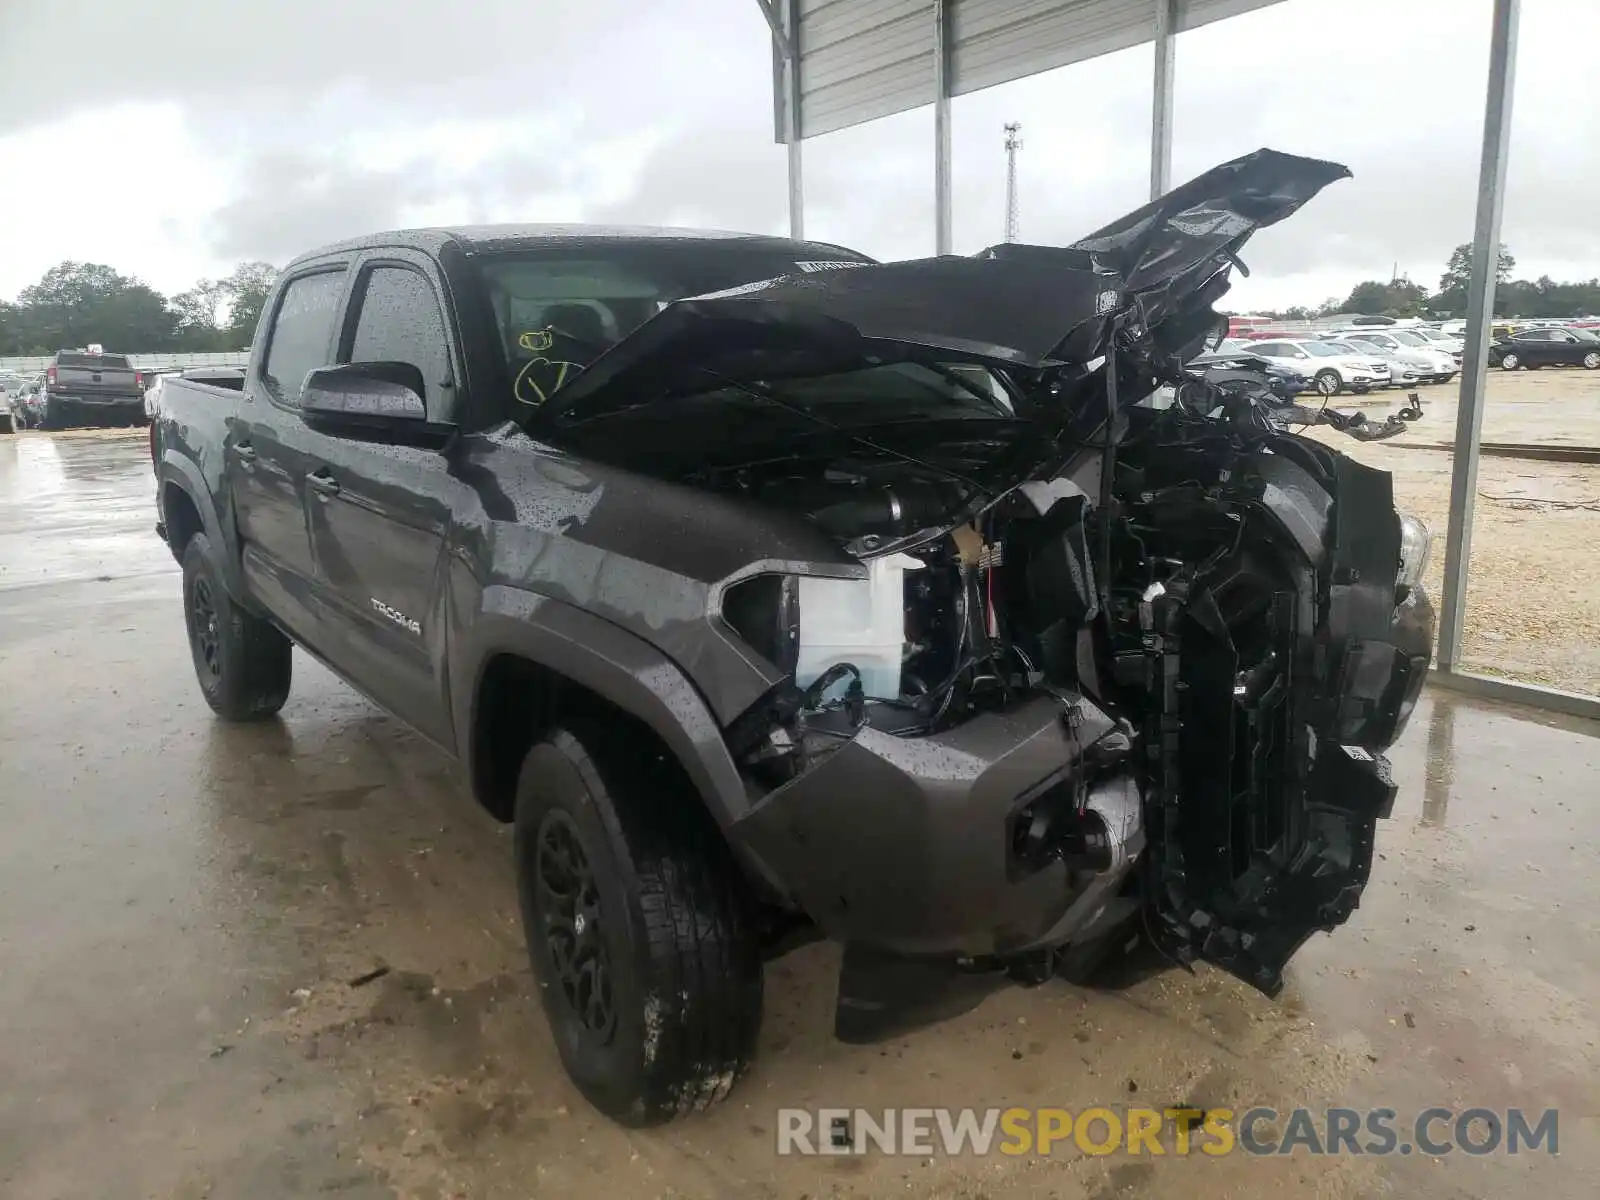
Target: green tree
column 1397, row 298
column 1457, row 278
column 1370, row 297
column 247, row 290
column 76, row 304
column 10, row 329
column 198, row 311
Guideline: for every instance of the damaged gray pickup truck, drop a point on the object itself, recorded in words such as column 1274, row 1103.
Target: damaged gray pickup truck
column 773, row 593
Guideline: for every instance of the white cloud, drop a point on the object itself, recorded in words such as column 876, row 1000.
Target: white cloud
column 252, row 131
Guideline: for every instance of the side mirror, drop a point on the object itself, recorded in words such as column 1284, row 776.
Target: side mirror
column 377, row 401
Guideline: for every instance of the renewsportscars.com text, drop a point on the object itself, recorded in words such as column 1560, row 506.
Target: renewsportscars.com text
column 951, row 1132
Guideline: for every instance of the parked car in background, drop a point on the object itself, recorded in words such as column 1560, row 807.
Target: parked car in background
column 1431, row 365
column 1442, row 340
column 10, row 386
column 1535, row 348
column 89, row 387
column 1402, row 372
column 1232, row 355
column 26, row 402
column 1331, row 370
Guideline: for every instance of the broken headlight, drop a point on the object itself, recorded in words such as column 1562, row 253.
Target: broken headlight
column 1415, row 541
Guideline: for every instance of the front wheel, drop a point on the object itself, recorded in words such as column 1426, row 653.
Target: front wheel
column 1510, row 362
column 1328, row 383
column 242, row 662
column 1591, row 360
column 640, row 930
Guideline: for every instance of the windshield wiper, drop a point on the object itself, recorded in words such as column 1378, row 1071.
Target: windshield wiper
column 966, row 385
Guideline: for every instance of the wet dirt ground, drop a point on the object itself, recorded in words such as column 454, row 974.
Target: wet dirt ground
column 186, row 909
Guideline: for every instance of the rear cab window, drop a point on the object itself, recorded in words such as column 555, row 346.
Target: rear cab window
column 93, row 362
column 301, row 336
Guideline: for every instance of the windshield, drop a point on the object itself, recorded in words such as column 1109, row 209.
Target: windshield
column 1322, row 349
column 1434, row 335
column 1406, row 337
column 555, row 313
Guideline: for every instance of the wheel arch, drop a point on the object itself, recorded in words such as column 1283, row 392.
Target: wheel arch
column 530, row 660
column 187, row 507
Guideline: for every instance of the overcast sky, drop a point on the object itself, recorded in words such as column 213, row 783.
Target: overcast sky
column 174, row 138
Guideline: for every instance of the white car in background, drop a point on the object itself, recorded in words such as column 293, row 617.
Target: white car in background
column 1441, row 340
column 1433, row 366
column 1402, row 372
column 1330, row 369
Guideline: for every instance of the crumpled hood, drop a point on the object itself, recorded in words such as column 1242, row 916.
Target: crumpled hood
column 1155, row 272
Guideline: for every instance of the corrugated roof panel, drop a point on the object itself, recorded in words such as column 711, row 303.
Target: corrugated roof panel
column 1008, row 39
column 864, row 59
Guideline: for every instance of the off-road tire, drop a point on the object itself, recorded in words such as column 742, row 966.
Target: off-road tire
column 1327, row 382
column 674, row 930
column 242, row 662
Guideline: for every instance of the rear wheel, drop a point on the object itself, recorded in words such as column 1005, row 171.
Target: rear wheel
column 1328, row 382
column 640, row 930
column 1510, row 362
column 1592, row 360
column 242, row 662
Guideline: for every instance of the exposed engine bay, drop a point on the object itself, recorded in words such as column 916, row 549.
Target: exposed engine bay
column 1087, row 662
column 1184, row 615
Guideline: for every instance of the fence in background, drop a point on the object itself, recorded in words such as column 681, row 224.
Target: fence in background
column 34, row 364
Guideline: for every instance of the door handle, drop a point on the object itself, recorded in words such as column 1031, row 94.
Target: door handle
column 327, row 485
column 245, row 451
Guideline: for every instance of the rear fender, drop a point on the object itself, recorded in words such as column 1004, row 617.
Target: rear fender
column 183, row 474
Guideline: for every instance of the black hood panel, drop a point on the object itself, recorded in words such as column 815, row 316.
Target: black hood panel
column 1156, row 271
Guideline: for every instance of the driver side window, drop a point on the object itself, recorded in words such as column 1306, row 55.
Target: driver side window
column 400, row 321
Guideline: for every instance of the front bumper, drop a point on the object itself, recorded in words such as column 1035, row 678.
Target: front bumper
column 908, row 843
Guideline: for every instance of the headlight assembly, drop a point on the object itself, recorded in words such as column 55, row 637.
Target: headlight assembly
column 1415, row 541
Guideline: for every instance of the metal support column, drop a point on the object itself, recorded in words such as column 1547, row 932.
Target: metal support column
column 1161, row 95
column 791, row 88
column 941, row 127
column 1480, row 316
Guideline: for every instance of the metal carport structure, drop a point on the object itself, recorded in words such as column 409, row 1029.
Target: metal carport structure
column 838, row 63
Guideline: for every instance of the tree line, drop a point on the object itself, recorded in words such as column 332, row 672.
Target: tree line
column 77, row 304
column 1400, row 297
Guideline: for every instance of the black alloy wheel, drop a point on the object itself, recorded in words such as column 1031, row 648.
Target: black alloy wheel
column 568, row 903
column 205, row 629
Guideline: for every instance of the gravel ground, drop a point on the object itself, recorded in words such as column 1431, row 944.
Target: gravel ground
column 1533, row 589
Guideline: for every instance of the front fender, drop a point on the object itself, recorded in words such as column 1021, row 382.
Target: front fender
column 612, row 663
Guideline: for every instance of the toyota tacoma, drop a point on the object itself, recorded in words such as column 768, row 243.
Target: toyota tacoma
column 773, row 593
